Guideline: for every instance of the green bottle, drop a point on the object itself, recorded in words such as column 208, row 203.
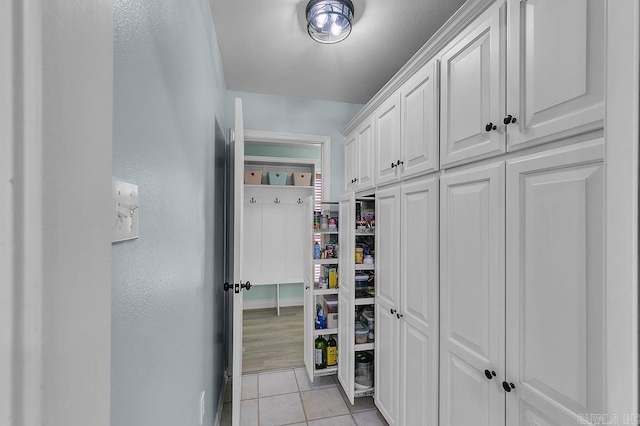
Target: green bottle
column 321, row 353
column 332, row 352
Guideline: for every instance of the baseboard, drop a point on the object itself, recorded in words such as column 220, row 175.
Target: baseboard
column 271, row 303
column 218, row 418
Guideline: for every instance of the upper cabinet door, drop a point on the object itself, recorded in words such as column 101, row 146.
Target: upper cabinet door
column 388, row 247
column 365, row 155
column 387, row 118
column 350, row 162
column 420, row 107
column 472, row 85
column 555, row 69
column 472, row 292
column 555, row 286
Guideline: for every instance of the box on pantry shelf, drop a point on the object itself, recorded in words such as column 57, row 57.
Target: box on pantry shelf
column 253, row 177
column 302, row 179
column 277, row 178
column 330, row 306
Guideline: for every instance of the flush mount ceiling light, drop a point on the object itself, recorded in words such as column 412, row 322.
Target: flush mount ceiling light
column 329, row 21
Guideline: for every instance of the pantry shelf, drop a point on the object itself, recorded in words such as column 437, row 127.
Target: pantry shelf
column 364, row 347
column 325, row 332
column 325, row 261
column 365, row 267
column 325, row 371
column 322, row 292
column 332, row 231
column 365, row 301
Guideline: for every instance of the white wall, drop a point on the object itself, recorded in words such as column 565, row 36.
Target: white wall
column 77, row 102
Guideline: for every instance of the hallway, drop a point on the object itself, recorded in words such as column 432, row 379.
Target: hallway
column 288, row 398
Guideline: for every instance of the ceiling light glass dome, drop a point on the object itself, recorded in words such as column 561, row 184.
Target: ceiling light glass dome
column 329, row 21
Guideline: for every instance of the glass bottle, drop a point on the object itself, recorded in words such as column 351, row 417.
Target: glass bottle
column 321, row 353
column 332, row 352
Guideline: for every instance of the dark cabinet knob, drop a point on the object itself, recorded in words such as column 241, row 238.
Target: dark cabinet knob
column 508, row 386
column 393, row 311
column 490, row 374
column 393, row 165
column 355, row 180
column 399, row 162
column 399, row 315
column 246, row 286
column 227, row 286
column 490, row 126
column 509, row 119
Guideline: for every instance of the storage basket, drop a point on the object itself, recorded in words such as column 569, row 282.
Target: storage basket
column 302, row 179
column 253, row 177
column 277, row 178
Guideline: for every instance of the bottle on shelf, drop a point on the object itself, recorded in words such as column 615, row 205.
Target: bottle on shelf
column 317, row 252
column 332, row 352
column 321, row 353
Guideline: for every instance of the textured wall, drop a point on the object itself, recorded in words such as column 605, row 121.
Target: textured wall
column 300, row 115
column 167, row 298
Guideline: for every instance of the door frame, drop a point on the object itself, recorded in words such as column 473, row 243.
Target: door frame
column 298, row 140
column 621, row 205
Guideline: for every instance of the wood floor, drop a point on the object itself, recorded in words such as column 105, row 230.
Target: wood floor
column 270, row 342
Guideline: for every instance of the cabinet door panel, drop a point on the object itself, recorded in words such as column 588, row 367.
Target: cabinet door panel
column 555, row 291
column 387, row 357
column 365, row 155
column 556, row 77
column 472, row 336
column 388, row 246
column 350, row 162
column 346, row 342
column 388, row 139
column 419, row 378
column 420, row 107
column 472, row 86
column 252, row 246
column 273, row 223
column 293, row 250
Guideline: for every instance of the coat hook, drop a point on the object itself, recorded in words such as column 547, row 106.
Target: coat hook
column 252, row 201
column 300, row 201
column 276, row 201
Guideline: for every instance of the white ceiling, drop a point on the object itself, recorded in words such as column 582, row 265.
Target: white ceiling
column 265, row 47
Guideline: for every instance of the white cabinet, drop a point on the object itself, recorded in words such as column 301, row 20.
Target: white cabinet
column 472, row 88
column 540, row 329
column 472, row 291
column 358, row 158
column 555, row 286
column 552, row 78
column 407, row 302
column 407, row 128
column 352, row 297
column 555, row 69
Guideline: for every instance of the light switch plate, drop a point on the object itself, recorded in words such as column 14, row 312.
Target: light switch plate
column 125, row 216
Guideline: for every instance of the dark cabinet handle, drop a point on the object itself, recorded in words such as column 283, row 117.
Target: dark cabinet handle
column 508, row 386
column 490, row 374
column 509, row 119
column 246, row 286
column 307, row 287
column 355, row 180
column 490, row 126
column 399, row 162
column 393, row 165
column 393, row 311
column 399, row 316
column 227, row 286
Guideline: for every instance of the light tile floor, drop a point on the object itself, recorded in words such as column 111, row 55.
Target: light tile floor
column 287, row 397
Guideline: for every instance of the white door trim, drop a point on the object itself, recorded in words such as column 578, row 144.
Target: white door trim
column 621, row 211
column 21, row 186
column 299, row 139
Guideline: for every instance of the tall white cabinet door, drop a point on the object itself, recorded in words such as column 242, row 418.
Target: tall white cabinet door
column 387, row 119
column 472, row 292
column 346, row 283
column 366, row 150
column 350, row 162
column 419, row 272
column 420, row 107
column 388, row 247
column 472, row 83
column 308, row 272
column 555, row 72
column 555, row 286
column 387, row 360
